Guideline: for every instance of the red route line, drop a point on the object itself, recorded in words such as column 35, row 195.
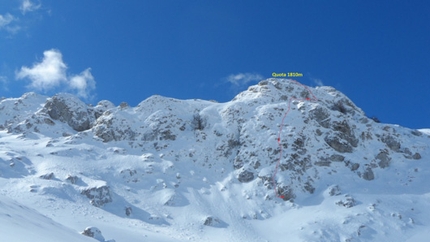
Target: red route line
column 313, row 98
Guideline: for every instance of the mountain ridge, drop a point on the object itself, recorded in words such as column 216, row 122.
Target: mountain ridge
column 214, row 164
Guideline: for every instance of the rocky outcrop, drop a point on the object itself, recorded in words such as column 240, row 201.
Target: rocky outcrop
column 69, row 109
column 98, row 196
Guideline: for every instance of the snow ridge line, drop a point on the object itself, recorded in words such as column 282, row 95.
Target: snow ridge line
column 312, row 98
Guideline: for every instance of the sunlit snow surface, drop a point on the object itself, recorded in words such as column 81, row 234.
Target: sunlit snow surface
column 172, row 174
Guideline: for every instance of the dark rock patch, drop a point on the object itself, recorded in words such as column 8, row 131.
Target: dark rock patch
column 98, row 195
column 245, row 176
column 383, row 159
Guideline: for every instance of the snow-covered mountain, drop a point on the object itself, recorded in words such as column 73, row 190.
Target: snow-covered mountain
column 280, row 162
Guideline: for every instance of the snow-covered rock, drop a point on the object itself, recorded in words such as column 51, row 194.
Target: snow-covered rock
column 95, row 233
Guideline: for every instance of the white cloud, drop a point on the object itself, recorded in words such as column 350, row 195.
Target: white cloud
column 84, row 83
column 5, row 20
column 47, row 74
column 28, row 6
column 243, row 78
column 50, row 73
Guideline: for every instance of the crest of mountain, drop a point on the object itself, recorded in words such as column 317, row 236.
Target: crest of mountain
column 186, row 166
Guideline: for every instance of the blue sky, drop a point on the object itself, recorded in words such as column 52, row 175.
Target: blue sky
column 376, row 52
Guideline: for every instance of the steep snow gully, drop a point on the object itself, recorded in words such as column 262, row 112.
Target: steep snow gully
column 280, row 162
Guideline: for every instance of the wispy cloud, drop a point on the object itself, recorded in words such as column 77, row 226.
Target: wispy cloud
column 6, row 20
column 84, row 83
column 3, row 82
column 317, row 82
column 13, row 24
column 28, row 6
column 241, row 79
column 50, row 74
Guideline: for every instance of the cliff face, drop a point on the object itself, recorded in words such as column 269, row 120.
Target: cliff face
column 279, row 140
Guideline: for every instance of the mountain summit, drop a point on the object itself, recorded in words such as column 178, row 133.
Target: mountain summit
column 280, row 162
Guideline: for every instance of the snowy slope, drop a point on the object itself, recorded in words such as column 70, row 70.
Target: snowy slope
column 20, row 223
column 280, row 162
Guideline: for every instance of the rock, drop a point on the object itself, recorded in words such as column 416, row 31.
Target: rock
column 391, row 142
column 338, row 144
column 383, row 159
column 321, row 115
column 286, row 193
column 72, row 179
column 198, row 122
column 416, row 156
column 354, row 166
column 347, row 202
column 238, row 162
column 416, row 132
column 123, row 105
column 102, row 107
column 98, row 195
column 128, row 211
column 322, row 163
column 130, row 175
column 345, row 132
column 95, row 233
column 337, row 158
column 308, row 187
column 334, row 190
column 110, row 127
column 368, row 174
column 213, row 222
column 245, row 176
column 47, row 176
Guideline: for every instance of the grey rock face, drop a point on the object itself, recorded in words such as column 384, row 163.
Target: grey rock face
column 69, row 109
